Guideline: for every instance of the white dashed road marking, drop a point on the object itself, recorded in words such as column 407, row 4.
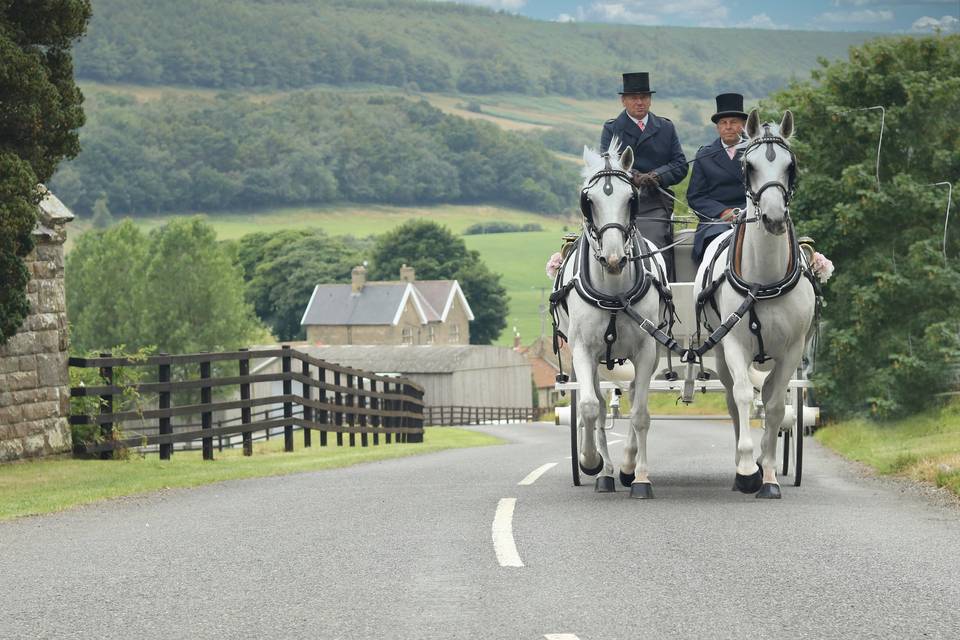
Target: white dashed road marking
column 536, row 473
column 503, row 543
column 561, row 636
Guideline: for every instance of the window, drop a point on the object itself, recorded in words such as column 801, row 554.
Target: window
column 407, row 335
column 431, row 334
column 454, row 333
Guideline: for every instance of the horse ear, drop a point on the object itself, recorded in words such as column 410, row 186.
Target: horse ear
column 626, row 159
column 753, row 124
column 786, row 125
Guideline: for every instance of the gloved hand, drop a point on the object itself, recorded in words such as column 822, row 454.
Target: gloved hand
column 646, row 181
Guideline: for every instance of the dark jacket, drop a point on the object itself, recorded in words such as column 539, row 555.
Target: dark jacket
column 655, row 149
column 716, row 184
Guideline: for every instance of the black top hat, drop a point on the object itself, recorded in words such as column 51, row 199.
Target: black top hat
column 729, row 104
column 636, row 83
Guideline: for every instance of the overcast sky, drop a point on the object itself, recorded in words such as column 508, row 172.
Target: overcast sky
column 886, row 16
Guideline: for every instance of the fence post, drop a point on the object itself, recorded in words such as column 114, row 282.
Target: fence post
column 206, row 416
column 323, row 418
column 362, row 404
column 387, row 406
column 245, row 411
column 352, row 417
column 287, row 405
column 106, row 407
column 305, row 393
column 375, row 418
column 338, row 400
column 164, row 426
column 418, row 422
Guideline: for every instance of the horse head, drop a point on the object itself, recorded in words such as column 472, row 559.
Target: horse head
column 769, row 170
column 608, row 202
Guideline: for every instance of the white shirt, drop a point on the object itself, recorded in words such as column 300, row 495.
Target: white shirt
column 637, row 122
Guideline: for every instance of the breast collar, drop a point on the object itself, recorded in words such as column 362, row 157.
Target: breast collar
column 762, row 291
column 588, row 291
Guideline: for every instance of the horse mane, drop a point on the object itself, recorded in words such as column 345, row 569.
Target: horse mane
column 593, row 161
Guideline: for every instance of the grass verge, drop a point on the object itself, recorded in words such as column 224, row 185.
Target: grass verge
column 32, row 488
column 924, row 447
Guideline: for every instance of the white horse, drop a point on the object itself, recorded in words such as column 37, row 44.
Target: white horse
column 765, row 259
column 604, row 270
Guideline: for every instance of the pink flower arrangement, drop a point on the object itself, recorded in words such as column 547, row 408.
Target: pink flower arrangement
column 553, row 265
column 821, row 267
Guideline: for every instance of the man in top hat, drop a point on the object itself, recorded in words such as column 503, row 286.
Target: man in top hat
column 658, row 160
column 716, row 184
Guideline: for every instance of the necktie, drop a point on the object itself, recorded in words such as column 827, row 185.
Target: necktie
column 731, row 152
column 640, row 124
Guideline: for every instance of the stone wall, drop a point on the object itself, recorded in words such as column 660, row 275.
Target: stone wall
column 34, row 379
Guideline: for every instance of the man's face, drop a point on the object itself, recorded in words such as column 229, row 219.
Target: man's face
column 729, row 129
column 636, row 104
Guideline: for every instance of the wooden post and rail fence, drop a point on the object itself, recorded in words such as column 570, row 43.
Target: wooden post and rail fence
column 328, row 399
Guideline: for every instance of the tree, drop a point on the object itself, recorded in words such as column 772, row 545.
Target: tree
column 437, row 254
column 282, row 268
column 104, row 273
column 193, row 291
column 39, row 114
column 891, row 331
column 178, row 290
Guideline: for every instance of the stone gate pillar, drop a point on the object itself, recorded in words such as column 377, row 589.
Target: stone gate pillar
column 34, row 383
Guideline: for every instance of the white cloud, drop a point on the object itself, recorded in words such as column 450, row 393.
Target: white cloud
column 651, row 12
column 946, row 24
column 507, row 5
column 564, row 17
column 866, row 16
column 761, row 21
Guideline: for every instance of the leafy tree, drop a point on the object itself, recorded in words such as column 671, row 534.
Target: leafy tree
column 104, row 272
column 177, row 289
column 891, row 329
column 39, row 114
column 193, row 291
column 437, row 254
column 282, row 268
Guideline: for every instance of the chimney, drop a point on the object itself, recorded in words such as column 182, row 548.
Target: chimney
column 358, row 278
column 516, row 339
column 407, row 274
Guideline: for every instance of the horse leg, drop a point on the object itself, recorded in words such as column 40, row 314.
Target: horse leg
column 644, row 366
column 588, row 410
column 605, row 483
column 748, row 478
column 629, row 464
column 774, row 397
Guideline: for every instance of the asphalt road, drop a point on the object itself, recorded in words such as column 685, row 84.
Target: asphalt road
column 404, row 549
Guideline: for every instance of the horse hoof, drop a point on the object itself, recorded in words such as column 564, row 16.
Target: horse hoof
column 605, row 484
column 749, row 484
column 627, row 480
column 591, row 472
column 641, row 491
column 770, row 491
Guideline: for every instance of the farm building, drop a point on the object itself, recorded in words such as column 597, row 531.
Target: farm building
column 451, row 375
column 408, row 311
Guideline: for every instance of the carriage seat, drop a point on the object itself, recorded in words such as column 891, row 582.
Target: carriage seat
column 685, row 270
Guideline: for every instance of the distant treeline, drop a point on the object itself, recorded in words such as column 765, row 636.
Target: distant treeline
column 228, row 152
column 498, row 226
column 430, row 46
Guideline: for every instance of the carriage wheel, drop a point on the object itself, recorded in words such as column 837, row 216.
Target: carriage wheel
column 798, row 463
column 786, row 452
column 574, row 446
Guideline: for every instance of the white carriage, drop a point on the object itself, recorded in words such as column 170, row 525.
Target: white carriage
column 800, row 417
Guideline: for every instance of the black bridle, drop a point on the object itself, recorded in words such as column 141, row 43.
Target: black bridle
column 770, row 141
column 607, row 174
